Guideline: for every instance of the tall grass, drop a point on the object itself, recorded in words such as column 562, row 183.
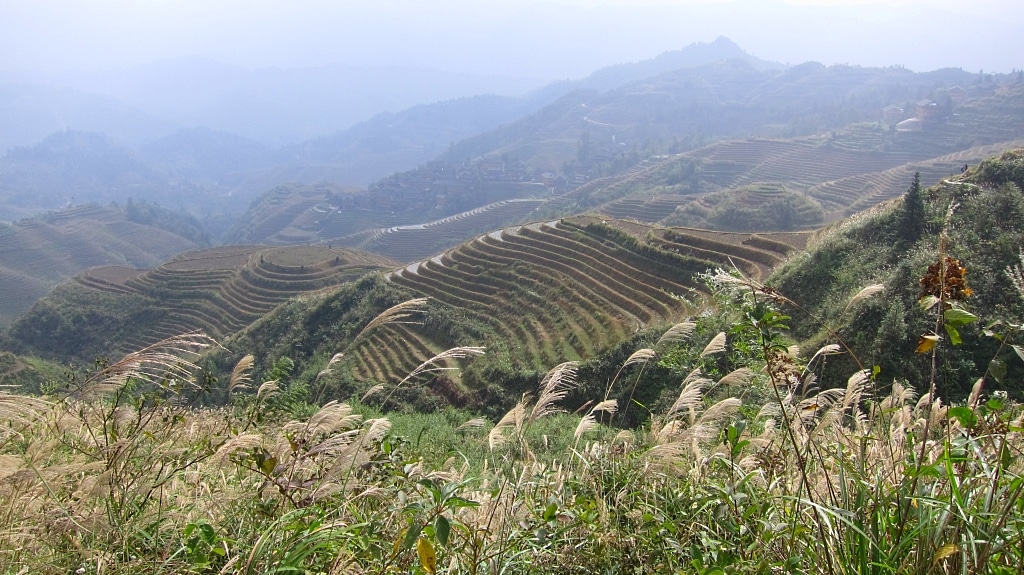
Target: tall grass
column 764, row 469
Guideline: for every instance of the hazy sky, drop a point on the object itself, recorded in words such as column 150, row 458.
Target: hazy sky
column 541, row 40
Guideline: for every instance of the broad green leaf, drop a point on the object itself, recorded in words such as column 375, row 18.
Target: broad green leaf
column 411, row 535
column 442, row 529
column 268, row 465
column 958, row 317
column 954, row 335
column 927, row 302
column 997, row 368
column 964, row 415
column 427, row 556
column 1019, row 350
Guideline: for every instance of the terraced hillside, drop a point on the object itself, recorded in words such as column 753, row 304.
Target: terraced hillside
column 217, row 290
column 846, row 170
column 37, row 254
column 563, row 290
column 412, row 242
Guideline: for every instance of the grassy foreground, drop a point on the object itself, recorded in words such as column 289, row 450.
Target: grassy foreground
column 762, row 469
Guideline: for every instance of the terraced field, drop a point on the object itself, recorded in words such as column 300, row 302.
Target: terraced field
column 222, row 290
column 409, row 243
column 38, row 254
column 847, row 196
column 565, row 290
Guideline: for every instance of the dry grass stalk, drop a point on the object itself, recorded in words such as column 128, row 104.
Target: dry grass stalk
column 716, row 345
column 240, row 376
column 864, row 294
column 394, row 314
column 432, row 364
column 553, row 388
column 167, row 363
column 678, row 333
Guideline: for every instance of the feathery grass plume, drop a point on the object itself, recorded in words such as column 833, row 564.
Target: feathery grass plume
column 864, row 294
column 21, row 410
column 589, row 421
column 678, row 333
column 394, row 314
column 553, row 388
column 162, row 363
column 431, row 366
column 267, row 389
column 1016, row 275
column 975, row 397
column 330, row 418
column 238, row 443
column 372, row 391
column 714, row 418
column 475, row 423
column 856, row 388
column 240, row 376
column 692, row 394
column 639, row 356
column 741, row 376
column 716, row 345
column 830, row 349
column 453, row 353
column 513, row 419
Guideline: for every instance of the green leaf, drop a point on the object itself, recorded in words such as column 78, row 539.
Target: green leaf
column 958, row 317
column 927, row 302
column 1019, row 350
column 442, row 529
column 268, row 465
column 964, row 415
column 411, row 535
column 954, row 335
column 997, row 368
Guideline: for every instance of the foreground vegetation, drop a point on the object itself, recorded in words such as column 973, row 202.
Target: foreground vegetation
column 761, row 468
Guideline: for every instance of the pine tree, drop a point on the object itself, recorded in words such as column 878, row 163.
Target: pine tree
column 912, row 218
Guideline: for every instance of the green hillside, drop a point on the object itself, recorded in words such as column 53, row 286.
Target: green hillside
column 980, row 215
column 39, row 253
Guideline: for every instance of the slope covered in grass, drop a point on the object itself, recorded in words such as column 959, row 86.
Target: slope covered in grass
column 976, row 218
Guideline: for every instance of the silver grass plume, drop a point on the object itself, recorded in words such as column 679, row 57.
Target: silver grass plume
column 165, row 363
column 741, row 376
column 394, row 314
column 1016, row 275
column 639, row 356
column 864, row 294
column 431, row 364
column 553, row 388
column 475, row 423
column 513, row 419
column 240, row 376
column 678, row 333
column 716, row 345
column 589, row 421
column 692, row 394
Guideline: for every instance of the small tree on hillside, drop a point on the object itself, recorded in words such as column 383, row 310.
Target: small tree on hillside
column 912, row 219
